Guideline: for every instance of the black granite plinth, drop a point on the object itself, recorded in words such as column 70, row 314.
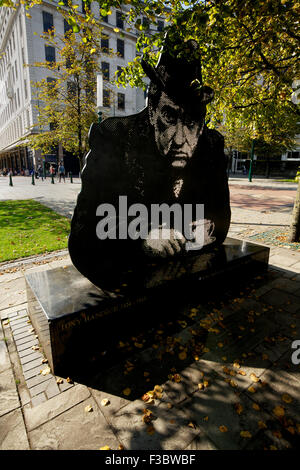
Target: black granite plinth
column 76, row 320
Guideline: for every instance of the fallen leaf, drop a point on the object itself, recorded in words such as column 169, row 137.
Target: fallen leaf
column 146, row 397
column 105, row 402
column 105, row 448
column 238, row 408
column 262, row 425
column 146, row 374
column 150, row 430
column 200, row 386
column 44, row 361
column 88, row 408
column 46, row 371
column 236, row 365
column 182, row 355
column 127, row 391
column 205, row 418
column 223, row 428
column 35, row 348
column 245, row 434
column 220, row 345
column 192, row 425
column 121, row 447
column 255, row 406
column 69, row 380
column 291, row 429
column 158, row 389
column 252, row 389
column 277, row 434
column 278, row 411
column 59, row 381
column 286, row 398
column 242, row 372
column 169, row 405
column 254, row 378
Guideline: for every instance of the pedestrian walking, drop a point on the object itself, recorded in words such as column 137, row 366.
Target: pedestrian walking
column 40, row 172
column 61, row 172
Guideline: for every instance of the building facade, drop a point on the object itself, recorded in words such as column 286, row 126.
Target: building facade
column 20, row 44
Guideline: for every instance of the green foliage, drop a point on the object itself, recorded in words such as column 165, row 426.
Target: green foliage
column 248, row 56
column 27, row 228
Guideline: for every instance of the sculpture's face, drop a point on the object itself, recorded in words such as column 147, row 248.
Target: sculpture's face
column 176, row 133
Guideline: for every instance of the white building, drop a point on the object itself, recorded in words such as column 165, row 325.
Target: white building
column 20, row 43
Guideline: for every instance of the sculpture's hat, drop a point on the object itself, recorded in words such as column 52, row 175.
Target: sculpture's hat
column 178, row 72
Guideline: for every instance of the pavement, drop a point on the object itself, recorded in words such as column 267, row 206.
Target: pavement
column 237, row 387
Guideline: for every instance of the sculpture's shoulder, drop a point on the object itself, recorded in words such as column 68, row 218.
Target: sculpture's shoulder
column 117, row 128
column 215, row 138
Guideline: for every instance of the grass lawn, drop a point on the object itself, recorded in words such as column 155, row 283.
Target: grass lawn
column 28, row 228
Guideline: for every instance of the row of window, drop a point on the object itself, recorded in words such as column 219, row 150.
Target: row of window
column 15, row 130
column 50, row 50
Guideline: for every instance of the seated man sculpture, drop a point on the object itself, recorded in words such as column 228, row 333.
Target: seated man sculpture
column 163, row 157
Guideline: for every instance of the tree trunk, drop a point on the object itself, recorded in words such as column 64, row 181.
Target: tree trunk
column 294, row 231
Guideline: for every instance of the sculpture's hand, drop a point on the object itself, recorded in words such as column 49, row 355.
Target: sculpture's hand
column 163, row 242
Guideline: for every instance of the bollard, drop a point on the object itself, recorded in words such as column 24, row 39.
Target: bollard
column 32, row 179
column 52, row 179
column 71, row 179
column 10, row 180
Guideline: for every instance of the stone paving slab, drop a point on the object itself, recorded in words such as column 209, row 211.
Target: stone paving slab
column 58, row 433
column 40, row 414
column 12, row 432
column 9, row 396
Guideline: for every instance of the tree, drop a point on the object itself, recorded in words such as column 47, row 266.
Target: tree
column 67, row 97
column 248, row 52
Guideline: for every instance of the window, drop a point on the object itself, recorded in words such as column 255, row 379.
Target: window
column 121, row 101
column 105, row 70
column 25, row 89
column 106, row 98
column 13, row 40
column 120, row 47
column 119, row 70
column 51, row 82
column 293, row 154
column 119, row 20
column 160, row 26
column 50, row 53
column 105, row 44
column 67, row 27
column 145, row 22
column 18, row 96
column 16, row 69
column 47, row 21
column 104, row 18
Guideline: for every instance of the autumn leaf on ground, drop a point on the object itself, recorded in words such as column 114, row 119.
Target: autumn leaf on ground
column 105, row 402
column 252, row 389
column 245, row 434
column 205, row 418
column 127, row 391
column 256, row 407
column 286, row 398
column 205, row 383
column 88, row 409
column 59, row 381
column 238, row 408
column 182, row 355
column 46, row 371
column 200, row 386
column 277, row 434
column 262, row 425
column 169, row 405
column 35, row 348
column 236, row 365
column 192, row 425
column 148, row 416
column 242, row 372
column 254, row 378
column 150, row 430
column 69, row 380
column 44, row 361
column 278, row 411
column 223, row 428
column 105, row 448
